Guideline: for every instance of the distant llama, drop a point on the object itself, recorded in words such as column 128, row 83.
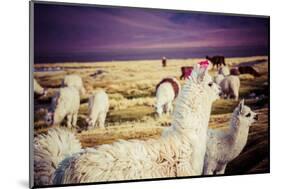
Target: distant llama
column 167, row 91
column 217, row 61
column 164, row 61
column 230, row 86
column 218, row 78
column 234, row 71
column 65, row 104
column 185, row 72
column 225, row 145
column 224, row 71
column 98, row 107
column 248, row 70
column 178, row 152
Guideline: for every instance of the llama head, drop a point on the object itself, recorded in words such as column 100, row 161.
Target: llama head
column 203, row 81
column 244, row 114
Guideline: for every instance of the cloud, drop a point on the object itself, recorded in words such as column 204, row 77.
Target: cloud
column 62, row 29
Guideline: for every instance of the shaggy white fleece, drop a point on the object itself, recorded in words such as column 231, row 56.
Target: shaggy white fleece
column 74, row 81
column 179, row 152
column 65, row 103
column 230, row 86
column 225, row 145
column 49, row 150
column 98, row 107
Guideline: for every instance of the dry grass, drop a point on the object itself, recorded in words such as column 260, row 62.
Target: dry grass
column 131, row 89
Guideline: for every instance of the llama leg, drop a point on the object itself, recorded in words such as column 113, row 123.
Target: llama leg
column 165, row 108
column 102, row 117
column 209, row 168
column 159, row 110
column 69, row 119
column 74, row 119
column 170, row 107
column 92, row 122
column 236, row 95
column 221, row 169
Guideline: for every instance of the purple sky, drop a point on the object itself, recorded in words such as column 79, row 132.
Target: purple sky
column 78, row 29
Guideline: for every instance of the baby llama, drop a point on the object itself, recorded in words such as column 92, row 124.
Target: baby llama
column 98, row 107
column 65, row 103
column 178, row 152
column 225, row 145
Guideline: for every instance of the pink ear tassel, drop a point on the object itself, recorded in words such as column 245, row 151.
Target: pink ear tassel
column 204, row 64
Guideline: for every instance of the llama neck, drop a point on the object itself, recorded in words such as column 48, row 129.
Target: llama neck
column 190, row 123
column 238, row 135
column 192, row 110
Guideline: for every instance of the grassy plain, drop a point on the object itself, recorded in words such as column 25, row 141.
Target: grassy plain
column 131, row 89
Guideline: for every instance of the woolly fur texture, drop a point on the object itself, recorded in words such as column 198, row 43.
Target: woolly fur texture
column 230, row 86
column 74, row 81
column 178, row 152
column 225, row 145
column 50, row 150
column 98, row 108
column 65, row 103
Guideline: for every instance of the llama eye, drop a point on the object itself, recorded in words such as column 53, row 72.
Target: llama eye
column 210, row 84
column 248, row 115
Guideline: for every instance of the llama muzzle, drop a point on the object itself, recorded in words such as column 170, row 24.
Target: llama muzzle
column 256, row 117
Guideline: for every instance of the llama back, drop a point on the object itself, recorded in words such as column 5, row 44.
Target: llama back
column 74, row 81
column 68, row 99
column 125, row 160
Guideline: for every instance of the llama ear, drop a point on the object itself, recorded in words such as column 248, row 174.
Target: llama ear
column 241, row 105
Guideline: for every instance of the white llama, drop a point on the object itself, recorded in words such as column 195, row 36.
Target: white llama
column 98, row 107
column 65, row 103
column 180, row 152
column 224, row 71
column 230, row 86
column 166, row 91
column 74, row 81
column 225, row 145
column 49, row 150
column 218, row 78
